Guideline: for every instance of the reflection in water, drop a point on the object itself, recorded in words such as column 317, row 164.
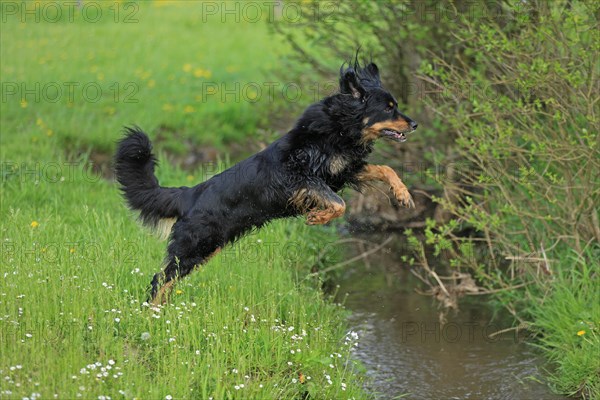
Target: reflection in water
column 407, row 352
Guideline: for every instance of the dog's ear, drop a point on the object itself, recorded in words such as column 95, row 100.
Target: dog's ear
column 373, row 70
column 349, row 84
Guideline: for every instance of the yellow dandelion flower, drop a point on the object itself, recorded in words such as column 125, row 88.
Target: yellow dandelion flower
column 23, row 103
column 188, row 109
column 49, row 132
column 161, row 3
column 211, row 90
column 252, row 95
column 190, row 178
column 581, row 333
column 167, row 107
column 179, row 291
column 39, row 122
column 187, row 67
column 71, row 250
column 199, row 73
column 34, row 224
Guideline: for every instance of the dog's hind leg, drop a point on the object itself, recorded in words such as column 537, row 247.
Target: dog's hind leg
column 189, row 247
column 319, row 203
column 162, row 283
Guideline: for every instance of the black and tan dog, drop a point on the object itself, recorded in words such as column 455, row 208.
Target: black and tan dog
column 298, row 174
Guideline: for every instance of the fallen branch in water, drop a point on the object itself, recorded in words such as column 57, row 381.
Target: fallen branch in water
column 517, row 328
column 491, row 291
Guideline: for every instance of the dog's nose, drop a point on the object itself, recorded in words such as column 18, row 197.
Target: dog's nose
column 413, row 125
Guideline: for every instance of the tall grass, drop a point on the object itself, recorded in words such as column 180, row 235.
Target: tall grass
column 569, row 317
column 75, row 268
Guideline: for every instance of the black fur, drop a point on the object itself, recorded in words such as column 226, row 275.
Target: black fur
column 135, row 172
column 260, row 188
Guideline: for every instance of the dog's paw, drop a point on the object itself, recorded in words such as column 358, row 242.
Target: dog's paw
column 403, row 196
column 320, row 217
column 317, row 218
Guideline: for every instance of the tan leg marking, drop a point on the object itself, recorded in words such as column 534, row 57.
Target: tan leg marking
column 337, row 164
column 385, row 174
column 165, row 290
column 323, row 216
column 317, row 207
column 163, row 293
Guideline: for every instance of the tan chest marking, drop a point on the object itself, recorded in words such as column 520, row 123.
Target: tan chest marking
column 337, row 164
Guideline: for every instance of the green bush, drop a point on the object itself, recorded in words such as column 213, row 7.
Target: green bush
column 525, row 119
column 521, row 101
column 523, row 115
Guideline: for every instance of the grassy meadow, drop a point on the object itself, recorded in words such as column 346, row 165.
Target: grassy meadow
column 76, row 264
column 164, row 65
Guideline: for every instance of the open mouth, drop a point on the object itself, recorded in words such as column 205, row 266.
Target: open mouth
column 395, row 135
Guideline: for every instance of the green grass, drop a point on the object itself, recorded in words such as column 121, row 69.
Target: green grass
column 157, row 72
column 75, row 270
column 569, row 320
column 75, row 263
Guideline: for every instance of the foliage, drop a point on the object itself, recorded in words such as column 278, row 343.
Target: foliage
column 524, row 175
column 525, row 123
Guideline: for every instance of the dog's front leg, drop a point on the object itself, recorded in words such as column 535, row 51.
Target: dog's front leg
column 319, row 203
column 383, row 173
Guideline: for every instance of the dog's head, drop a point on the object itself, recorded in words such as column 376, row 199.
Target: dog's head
column 377, row 108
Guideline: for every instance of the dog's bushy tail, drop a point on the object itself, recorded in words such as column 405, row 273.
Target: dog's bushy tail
column 159, row 207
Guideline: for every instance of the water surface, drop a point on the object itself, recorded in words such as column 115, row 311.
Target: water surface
column 407, row 352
